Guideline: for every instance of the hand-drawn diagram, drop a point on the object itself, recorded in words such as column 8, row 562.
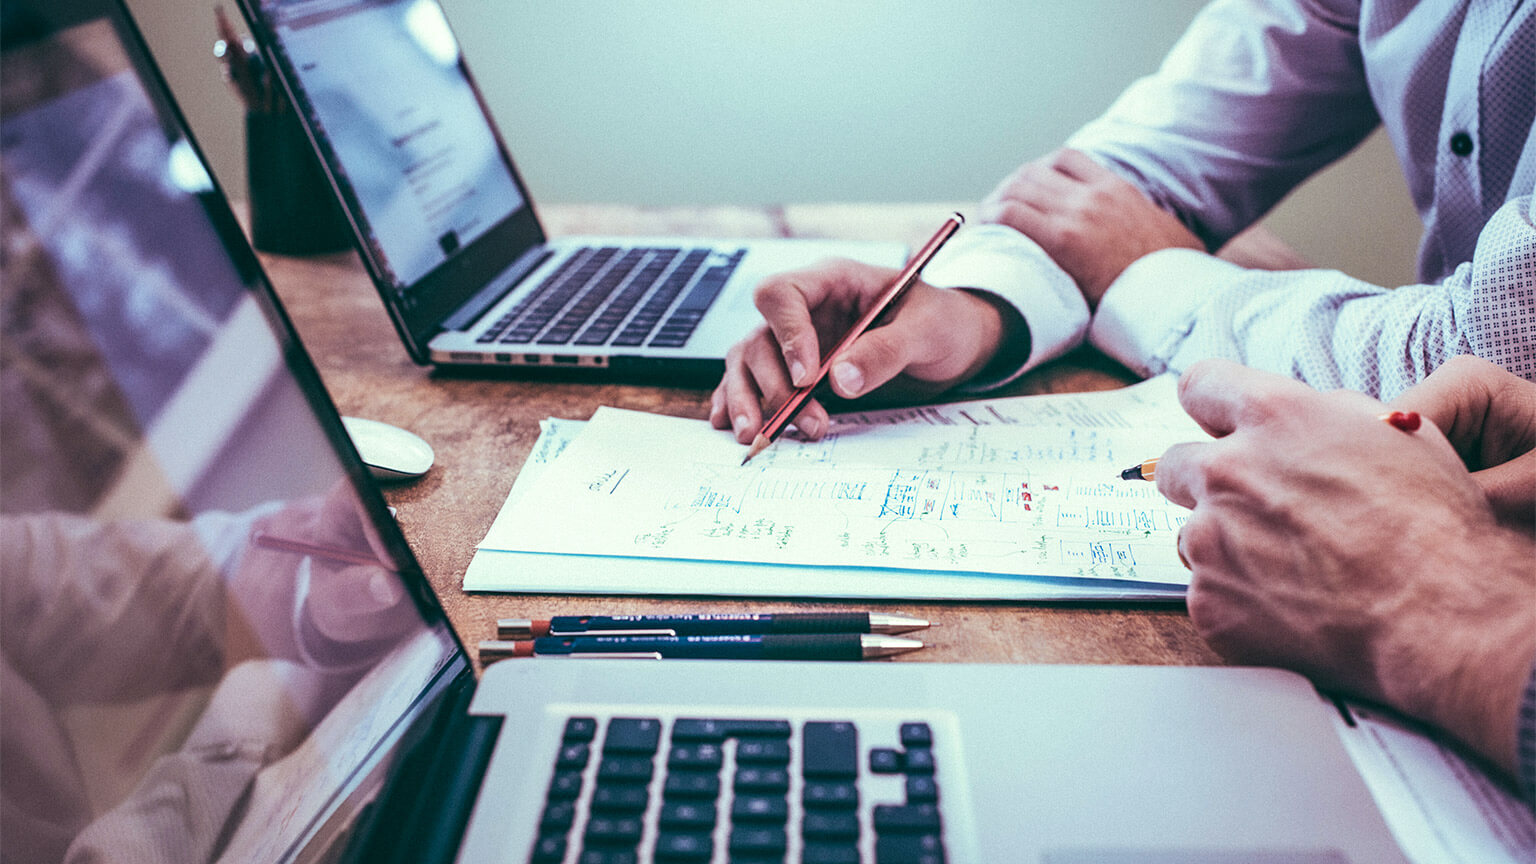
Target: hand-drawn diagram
column 1032, row 491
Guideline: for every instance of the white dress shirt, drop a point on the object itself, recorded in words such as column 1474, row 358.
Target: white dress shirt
column 1253, row 99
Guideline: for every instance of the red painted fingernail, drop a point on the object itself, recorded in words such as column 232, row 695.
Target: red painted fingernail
column 1407, row 421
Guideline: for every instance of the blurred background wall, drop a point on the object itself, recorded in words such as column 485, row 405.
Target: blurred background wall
column 660, row 102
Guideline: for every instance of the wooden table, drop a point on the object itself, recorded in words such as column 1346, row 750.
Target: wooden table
column 482, row 429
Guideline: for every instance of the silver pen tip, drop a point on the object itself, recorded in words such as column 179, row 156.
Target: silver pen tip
column 887, row 646
column 881, row 622
column 514, row 628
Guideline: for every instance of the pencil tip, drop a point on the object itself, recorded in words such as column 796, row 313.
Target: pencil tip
column 759, row 444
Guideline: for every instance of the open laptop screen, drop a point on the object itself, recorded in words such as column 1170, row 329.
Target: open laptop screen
column 386, row 92
column 210, row 632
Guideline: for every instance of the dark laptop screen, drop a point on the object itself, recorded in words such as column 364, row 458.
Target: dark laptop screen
column 206, row 638
column 389, row 97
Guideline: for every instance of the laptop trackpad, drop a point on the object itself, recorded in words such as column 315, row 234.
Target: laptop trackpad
column 1194, row 856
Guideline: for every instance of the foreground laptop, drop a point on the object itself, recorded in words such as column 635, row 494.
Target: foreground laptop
column 448, row 230
column 218, row 647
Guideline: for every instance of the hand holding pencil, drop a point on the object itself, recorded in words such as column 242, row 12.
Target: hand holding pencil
column 933, row 339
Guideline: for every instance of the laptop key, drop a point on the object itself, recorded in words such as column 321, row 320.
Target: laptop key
column 691, row 784
column 558, row 816
column 830, row 795
column 884, row 760
column 607, row 856
column 625, row 769
column 762, row 751
column 911, row 819
column 684, row 846
column 579, row 729
column 916, row 735
column 620, row 799
column 696, row 729
column 919, row 760
column 909, row 849
column 826, row 853
column 761, row 779
column 632, row 735
column 830, row 750
column 548, row 848
column 829, row 825
column 617, row 830
column 572, row 757
column 565, row 785
column 688, row 815
column 758, row 840
column 922, row 789
column 699, row 756
column 760, row 808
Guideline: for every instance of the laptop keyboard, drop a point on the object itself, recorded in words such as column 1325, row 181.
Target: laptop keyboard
column 623, row 297
column 738, row 790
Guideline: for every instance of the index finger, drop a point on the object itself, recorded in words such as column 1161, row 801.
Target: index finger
column 1179, row 474
column 791, row 303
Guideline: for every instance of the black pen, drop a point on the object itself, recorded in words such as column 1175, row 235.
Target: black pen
column 794, row 646
column 709, row 624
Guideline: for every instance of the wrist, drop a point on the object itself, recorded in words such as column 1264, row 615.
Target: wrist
column 1464, row 663
column 1004, row 337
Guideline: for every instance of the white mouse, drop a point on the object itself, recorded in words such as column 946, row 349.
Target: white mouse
column 390, row 452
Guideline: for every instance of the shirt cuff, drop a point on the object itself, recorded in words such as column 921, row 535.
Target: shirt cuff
column 1151, row 307
column 998, row 260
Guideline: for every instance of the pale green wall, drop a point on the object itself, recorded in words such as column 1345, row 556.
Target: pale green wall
column 729, row 101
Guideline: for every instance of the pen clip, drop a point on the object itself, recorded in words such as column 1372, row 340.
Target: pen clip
column 607, row 655
column 660, row 632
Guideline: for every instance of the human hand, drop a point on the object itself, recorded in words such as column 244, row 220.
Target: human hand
column 1486, row 412
column 354, row 605
column 932, row 340
column 1366, row 558
column 1089, row 220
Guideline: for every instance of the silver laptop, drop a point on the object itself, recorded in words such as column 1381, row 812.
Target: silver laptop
column 447, row 228
column 218, row 647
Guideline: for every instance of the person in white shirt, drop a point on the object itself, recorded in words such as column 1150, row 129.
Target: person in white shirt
column 1108, row 240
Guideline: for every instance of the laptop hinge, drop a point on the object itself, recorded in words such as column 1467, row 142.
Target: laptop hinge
column 445, row 760
column 497, row 288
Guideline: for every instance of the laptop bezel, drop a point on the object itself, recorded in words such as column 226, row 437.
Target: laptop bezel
column 419, row 312
column 26, row 25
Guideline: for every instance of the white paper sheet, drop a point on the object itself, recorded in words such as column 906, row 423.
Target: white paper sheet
column 1025, row 487
column 1441, row 808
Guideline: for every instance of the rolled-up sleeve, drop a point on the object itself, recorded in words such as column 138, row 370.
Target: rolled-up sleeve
column 1256, row 96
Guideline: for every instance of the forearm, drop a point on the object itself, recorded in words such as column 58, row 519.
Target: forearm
column 138, row 593
column 1464, row 664
column 1256, row 96
column 1175, row 307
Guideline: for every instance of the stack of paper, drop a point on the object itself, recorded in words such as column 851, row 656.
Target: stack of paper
column 1008, row 499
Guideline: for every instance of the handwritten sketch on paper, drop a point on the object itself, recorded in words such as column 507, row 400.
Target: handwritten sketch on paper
column 1024, row 486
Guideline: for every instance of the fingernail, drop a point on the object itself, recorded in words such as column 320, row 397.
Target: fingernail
column 849, row 379
column 739, row 422
column 383, row 588
column 811, row 426
column 797, row 373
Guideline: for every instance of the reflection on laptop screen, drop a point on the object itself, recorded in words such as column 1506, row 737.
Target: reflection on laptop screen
column 205, row 641
column 387, row 91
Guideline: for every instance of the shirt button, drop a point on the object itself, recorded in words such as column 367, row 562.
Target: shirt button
column 1461, row 144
